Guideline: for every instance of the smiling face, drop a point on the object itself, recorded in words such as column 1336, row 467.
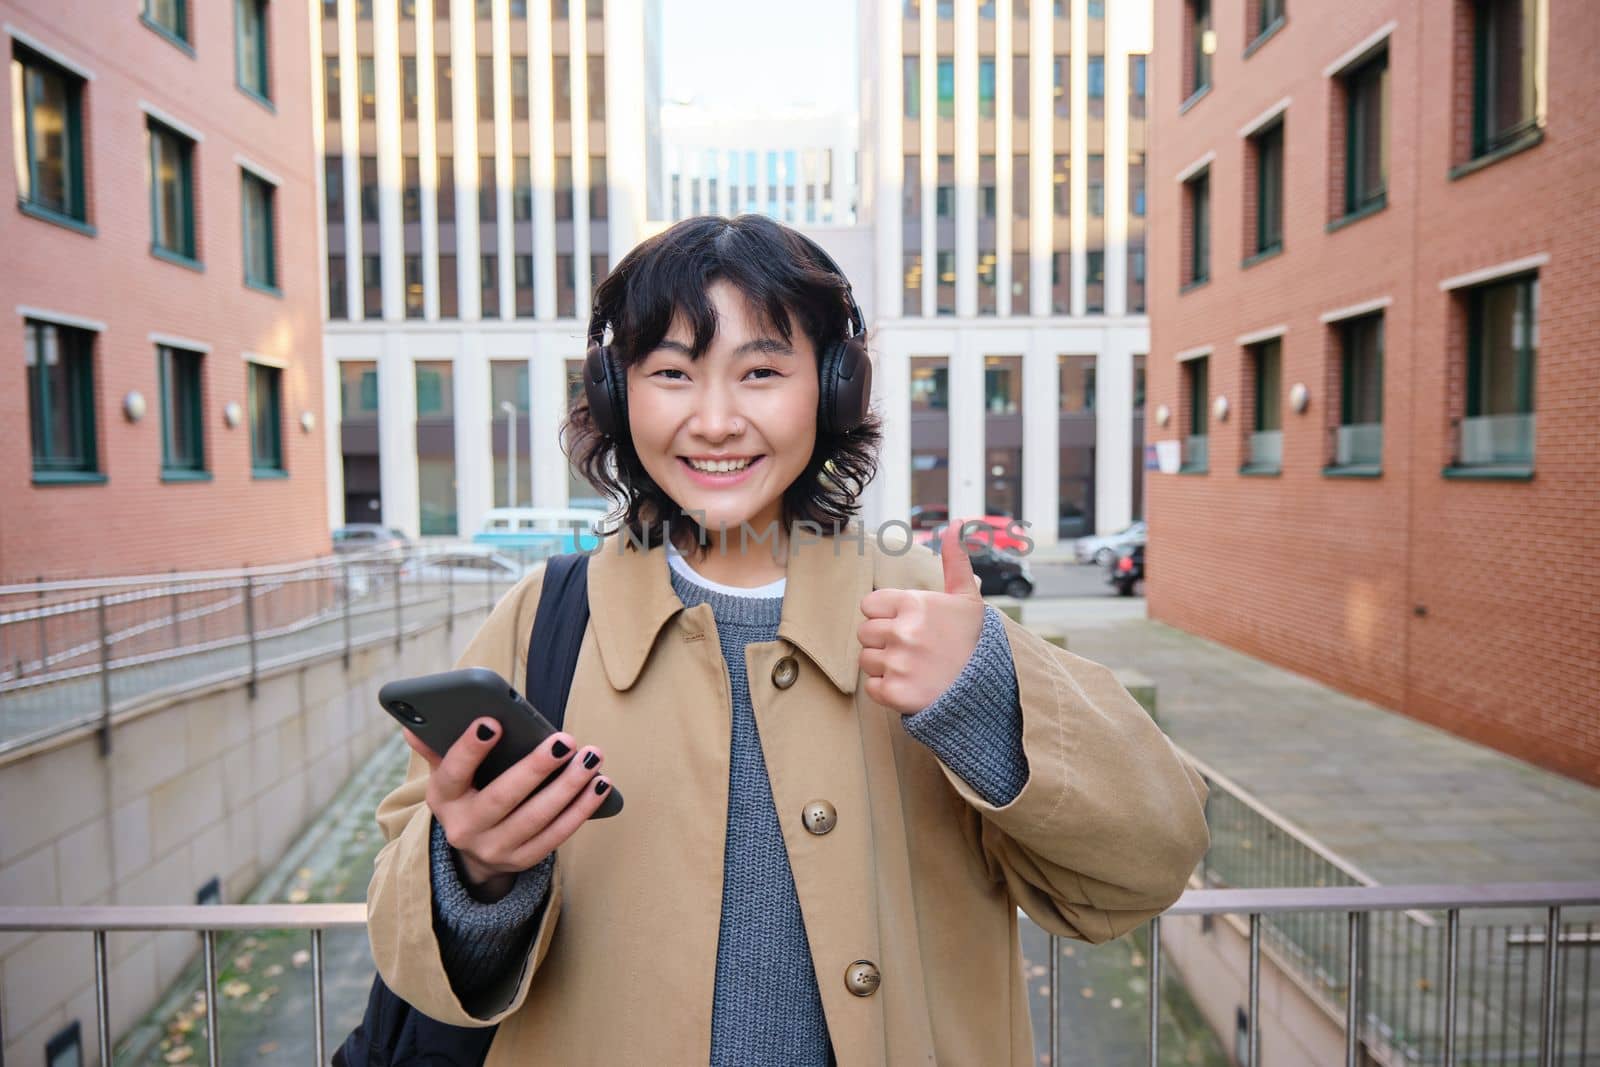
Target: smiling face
column 726, row 434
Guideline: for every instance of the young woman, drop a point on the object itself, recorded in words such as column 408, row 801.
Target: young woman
column 845, row 773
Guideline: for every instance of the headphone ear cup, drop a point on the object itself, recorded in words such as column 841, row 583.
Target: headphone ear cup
column 846, row 386
column 606, row 392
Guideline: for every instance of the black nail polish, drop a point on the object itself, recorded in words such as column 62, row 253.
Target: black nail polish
column 485, row 731
column 600, row 788
column 559, row 751
column 591, row 761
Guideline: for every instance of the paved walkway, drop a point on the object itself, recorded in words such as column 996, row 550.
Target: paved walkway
column 1404, row 801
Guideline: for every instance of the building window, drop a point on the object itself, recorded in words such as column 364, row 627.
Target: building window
column 1366, row 142
column 912, row 91
column 945, row 303
column 911, row 292
column 372, row 287
column 443, row 88
column 338, row 292
column 171, row 17
column 1020, row 89
column 1196, row 385
column 946, row 68
column 266, row 420
column 486, row 88
column 1265, row 363
column 260, row 232
column 930, row 383
column 330, row 88
column 598, row 207
column 564, row 197
column 944, row 194
column 1097, row 85
column 410, row 191
column 1061, row 282
column 1268, row 15
column 408, row 86
column 521, row 188
column 1095, row 280
column 366, row 87
column 414, row 305
column 1075, row 375
column 489, row 274
column 986, row 189
column 986, row 87
column 61, row 408
column 1502, row 342
column 448, row 305
column 566, row 286
column 561, row 85
column 911, row 191
column 369, row 188
column 1201, row 45
column 1358, row 437
column 486, row 189
column 1197, row 228
column 171, row 192
column 1503, row 75
column 1266, row 149
column 250, row 28
column 48, row 126
column 1097, row 186
column 182, row 427
column 446, row 183
column 596, row 68
column 1061, row 185
column 523, row 265
column 519, row 87
column 1063, row 80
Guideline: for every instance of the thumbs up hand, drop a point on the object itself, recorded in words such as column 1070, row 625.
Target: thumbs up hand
column 914, row 642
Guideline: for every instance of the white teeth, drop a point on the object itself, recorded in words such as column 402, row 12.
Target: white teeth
column 721, row 466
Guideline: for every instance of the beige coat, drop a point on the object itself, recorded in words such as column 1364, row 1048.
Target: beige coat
column 920, row 876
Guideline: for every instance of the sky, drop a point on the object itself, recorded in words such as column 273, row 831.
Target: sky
column 740, row 55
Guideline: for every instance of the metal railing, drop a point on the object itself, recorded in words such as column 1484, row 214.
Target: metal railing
column 1358, row 444
column 1266, row 448
column 77, row 653
column 1489, row 440
column 1561, row 1029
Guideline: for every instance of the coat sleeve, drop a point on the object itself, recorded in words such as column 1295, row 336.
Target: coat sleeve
column 400, row 906
column 1111, row 821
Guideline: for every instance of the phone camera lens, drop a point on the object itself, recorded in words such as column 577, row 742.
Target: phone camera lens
column 407, row 712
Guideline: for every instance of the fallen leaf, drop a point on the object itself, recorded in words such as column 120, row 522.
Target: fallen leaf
column 179, row 1054
column 300, row 958
column 266, row 1048
column 235, row 989
column 1088, row 992
column 304, row 874
column 273, row 971
column 298, row 895
column 1116, row 1002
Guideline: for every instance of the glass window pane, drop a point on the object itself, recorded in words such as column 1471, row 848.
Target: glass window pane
column 60, row 397
column 266, row 441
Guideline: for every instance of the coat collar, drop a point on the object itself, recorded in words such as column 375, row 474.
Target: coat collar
column 631, row 598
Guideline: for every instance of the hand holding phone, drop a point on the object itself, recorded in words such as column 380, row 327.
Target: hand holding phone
column 505, row 785
column 512, row 824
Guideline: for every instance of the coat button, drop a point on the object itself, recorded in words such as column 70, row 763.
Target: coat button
column 819, row 817
column 785, row 671
column 862, row 978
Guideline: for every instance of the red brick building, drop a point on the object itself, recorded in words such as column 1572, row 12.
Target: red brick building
column 160, row 332
column 1375, row 322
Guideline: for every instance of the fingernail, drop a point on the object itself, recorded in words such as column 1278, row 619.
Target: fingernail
column 591, row 761
column 485, row 732
column 559, row 751
column 600, row 788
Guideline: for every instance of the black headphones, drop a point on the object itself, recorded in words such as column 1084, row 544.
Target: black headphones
column 845, row 372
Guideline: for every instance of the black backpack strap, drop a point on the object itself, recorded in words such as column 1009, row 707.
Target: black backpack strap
column 558, row 629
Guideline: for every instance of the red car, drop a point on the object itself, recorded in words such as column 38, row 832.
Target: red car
column 999, row 531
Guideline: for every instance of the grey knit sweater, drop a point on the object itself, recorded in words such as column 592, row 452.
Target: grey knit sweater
column 766, row 1008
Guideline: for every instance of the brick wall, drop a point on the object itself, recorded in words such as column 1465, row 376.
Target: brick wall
column 1464, row 603
column 135, row 522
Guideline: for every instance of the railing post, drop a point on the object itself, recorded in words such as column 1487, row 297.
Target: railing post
column 1353, row 983
column 250, row 628
column 1253, row 1024
column 105, row 675
column 1552, row 985
column 177, row 602
column 319, row 1053
column 1452, row 951
column 399, row 616
column 345, row 570
column 208, row 942
column 44, row 632
column 1055, row 1000
column 1153, row 969
column 102, row 997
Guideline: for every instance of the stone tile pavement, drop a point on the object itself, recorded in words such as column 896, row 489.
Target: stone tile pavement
column 1404, row 801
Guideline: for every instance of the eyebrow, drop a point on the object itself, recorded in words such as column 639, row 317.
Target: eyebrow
column 767, row 345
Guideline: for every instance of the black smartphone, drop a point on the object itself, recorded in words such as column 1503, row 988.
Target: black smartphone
column 439, row 708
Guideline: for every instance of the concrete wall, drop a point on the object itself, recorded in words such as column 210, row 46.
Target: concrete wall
column 214, row 784
column 1215, row 969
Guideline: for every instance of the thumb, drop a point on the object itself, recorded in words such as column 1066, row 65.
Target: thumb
column 958, row 577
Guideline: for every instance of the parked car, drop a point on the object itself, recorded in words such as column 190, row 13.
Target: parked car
column 1104, row 550
column 999, row 573
column 465, row 565
column 369, row 537
column 999, row 531
column 1127, row 571
column 538, row 532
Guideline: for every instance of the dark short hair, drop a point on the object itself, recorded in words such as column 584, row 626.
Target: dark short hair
column 668, row 274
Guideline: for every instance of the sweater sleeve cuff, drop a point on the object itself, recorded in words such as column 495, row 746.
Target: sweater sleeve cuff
column 477, row 940
column 975, row 725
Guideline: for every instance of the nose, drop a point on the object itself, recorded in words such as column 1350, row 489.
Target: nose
column 716, row 415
